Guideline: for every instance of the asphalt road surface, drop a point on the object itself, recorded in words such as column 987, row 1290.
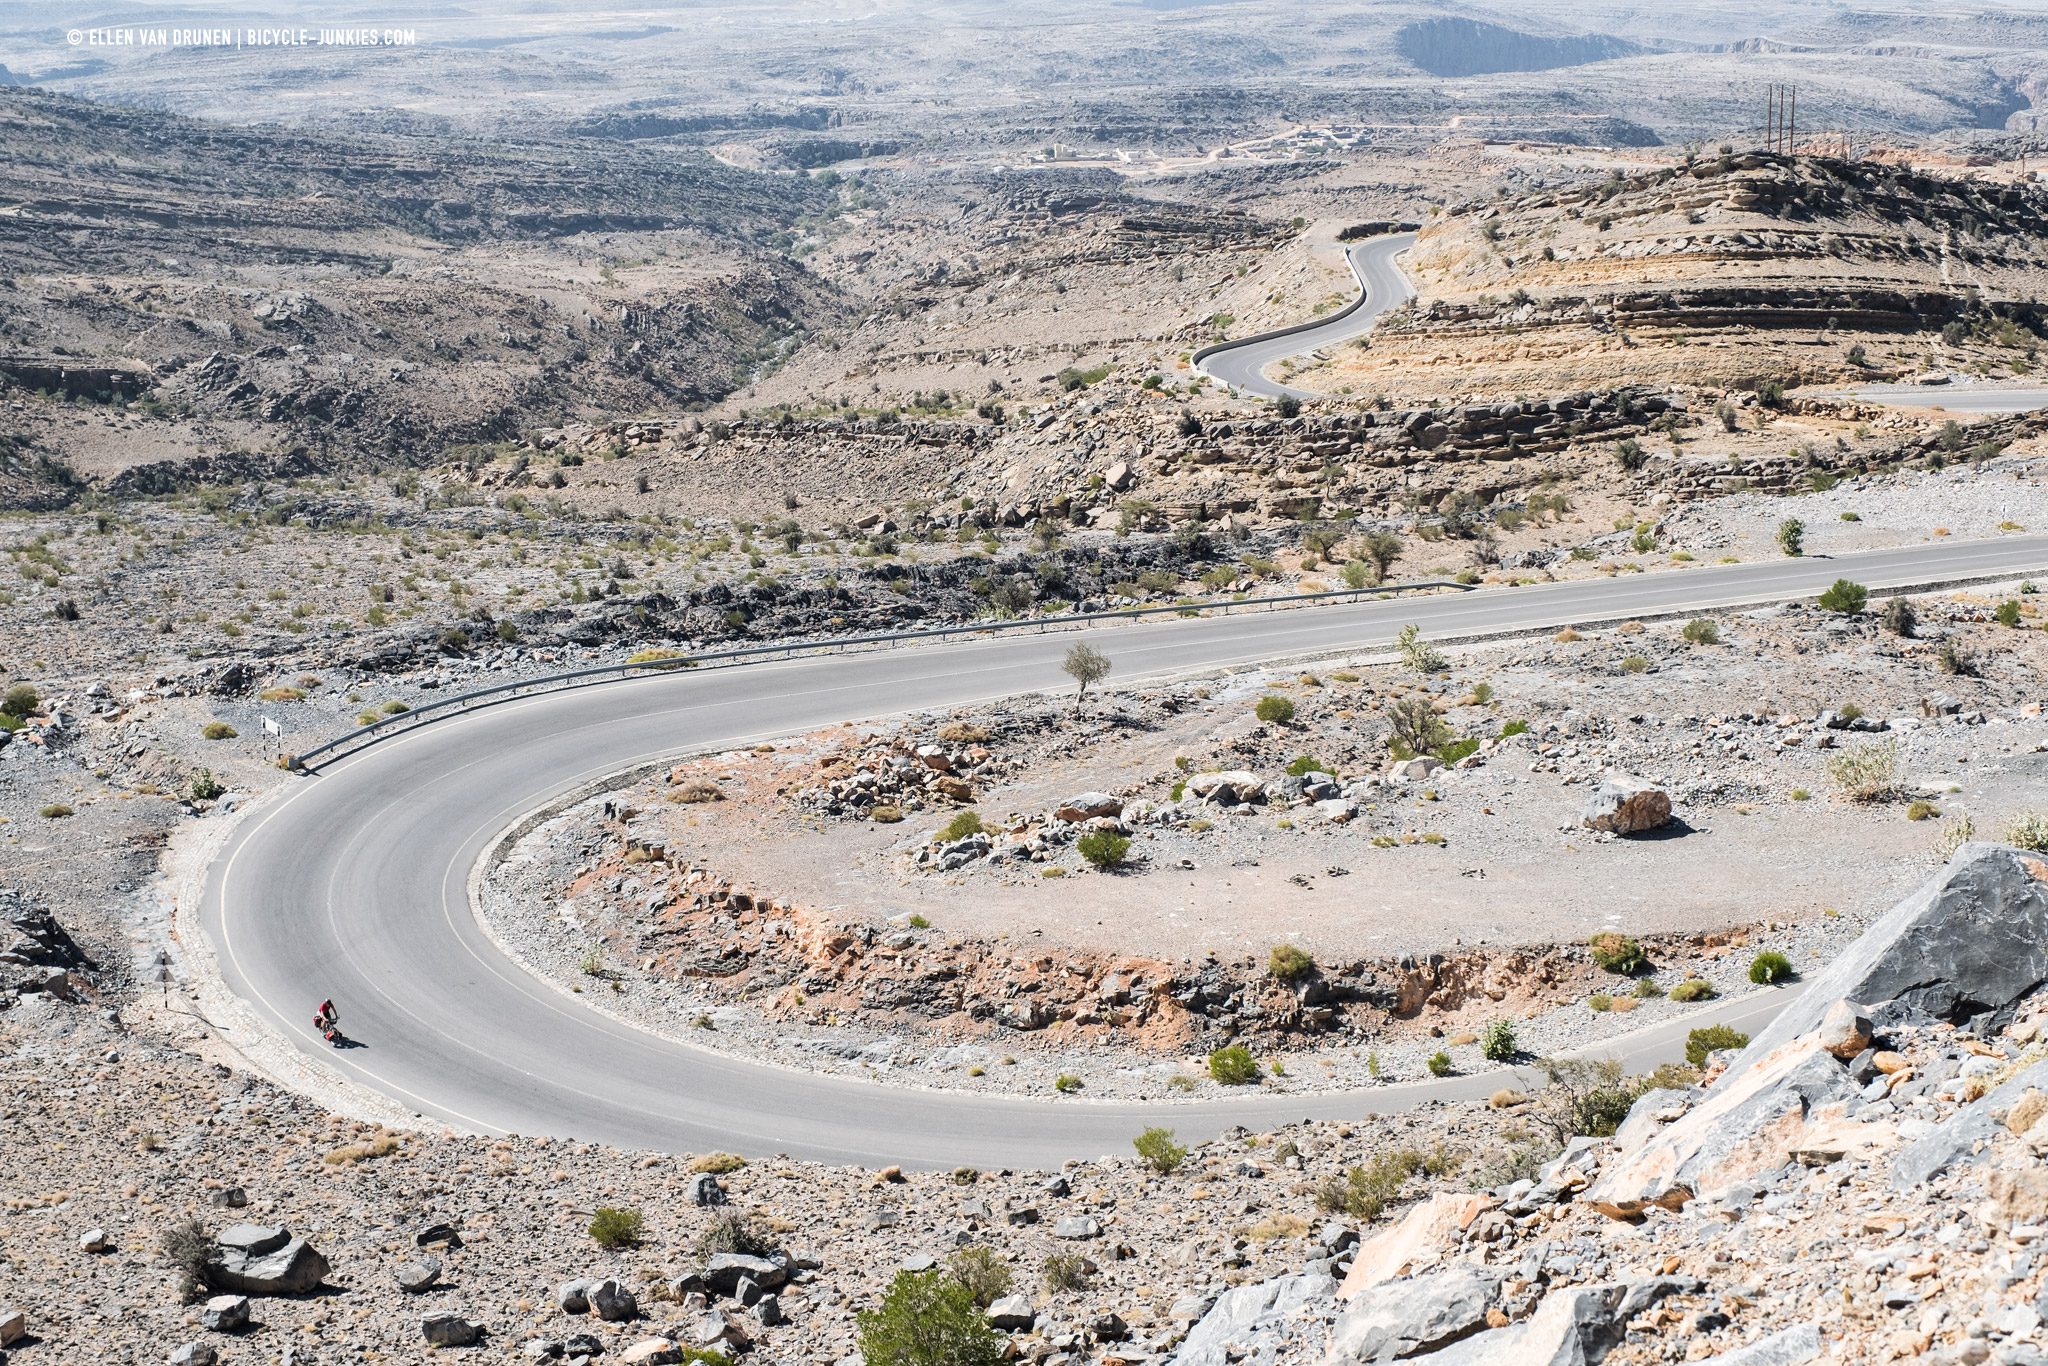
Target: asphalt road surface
column 353, row 884
column 1382, row 286
column 1956, row 398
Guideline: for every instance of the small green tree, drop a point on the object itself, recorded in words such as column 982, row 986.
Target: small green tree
column 1440, row 1064
column 1233, row 1065
column 1104, row 848
column 1085, row 665
column 1844, row 597
column 1380, row 549
column 1792, row 536
column 1160, row 1152
column 2008, row 613
column 927, row 1319
column 1357, row 574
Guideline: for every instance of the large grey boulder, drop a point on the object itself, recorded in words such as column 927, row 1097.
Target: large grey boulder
column 450, row 1329
column 1088, row 806
column 724, row 1272
column 612, row 1302
column 418, row 1276
column 1626, row 805
column 1250, row 1325
column 257, row 1259
column 194, row 1354
column 1790, row 1347
column 1407, row 1318
column 1751, row 1120
column 1012, row 1313
column 225, row 1314
column 1973, row 938
column 1574, row 1327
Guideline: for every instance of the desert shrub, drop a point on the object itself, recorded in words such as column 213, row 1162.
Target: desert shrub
column 963, row 733
column 1618, row 953
column 1921, row 811
column 1951, row 658
column 1648, row 989
column 1844, row 597
column 1306, row 764
column 1233, row 1065
column 1898, row 616
column 696, row 791
column 1274, row 709
column 615, row 1228
column 1365, row 1191
column 1630, row 455
column 1600, row 1002
column 55, row 811
column 21, row 700
column 884, row 813
column 1792, row 536
column 2029, row 830
column 1497, row 1041
column 732, row 1233
column 926, row 1319
column 1769, row 968
column 218, row 730
column 1702, row 631
column 206, row 787
column 1417, row 653
column 1634, row 664
column 1583, row 1097
column 718, row 1164
column 1104, row 848
column 1867, row 773
column 961, row 826
column 191, row 1251
column 1160, row 1152
column 1693, row 989
column 1066, row 1083
column 1712, row 1039
column 1439, row 1064
column 380, row 1144
column 2008, row 613
column 1066, row 1271
column 983, row 1273
column 1289, row 963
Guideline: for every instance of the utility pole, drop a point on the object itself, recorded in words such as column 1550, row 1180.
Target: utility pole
column 1781, row 118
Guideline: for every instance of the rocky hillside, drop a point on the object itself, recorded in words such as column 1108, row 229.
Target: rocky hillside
column 368, row 295
column 1861, row 1183
column 1734, row 268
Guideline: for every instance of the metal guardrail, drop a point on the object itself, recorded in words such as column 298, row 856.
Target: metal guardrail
column 461, row 702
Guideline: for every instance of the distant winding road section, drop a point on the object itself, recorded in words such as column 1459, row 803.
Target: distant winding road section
column 1381, row 285
column 354, row 882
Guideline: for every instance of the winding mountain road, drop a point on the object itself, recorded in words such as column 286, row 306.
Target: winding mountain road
column 1242, row 364
column 353, row 883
